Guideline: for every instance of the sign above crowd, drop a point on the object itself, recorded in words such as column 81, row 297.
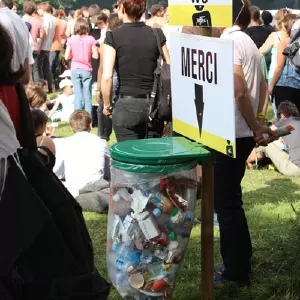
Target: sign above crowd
column 203, row 90
column 208, row 13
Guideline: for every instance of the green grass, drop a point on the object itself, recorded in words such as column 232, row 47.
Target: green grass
column 274, row 228
column 269, row 202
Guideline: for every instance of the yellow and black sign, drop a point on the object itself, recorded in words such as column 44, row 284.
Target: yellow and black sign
column 208, row 13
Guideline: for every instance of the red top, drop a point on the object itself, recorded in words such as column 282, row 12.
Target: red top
column 9, row 96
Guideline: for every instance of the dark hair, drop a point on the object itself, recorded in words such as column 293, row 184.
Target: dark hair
column 114, row 22
column 102, row 17
column 115, row 5
column 8, row 3
column 80, row 120
column 29, row 7
column 81, row 26
column 36, row 96
column 71, row 13
column 46, row 7
column 244, row 18
column 134, row 8
column 7, row 75
column 288, row 109
column 255, row 14
column 163, row 4
column 41, row 83
column 94, row 10
column 267, row 17
column 39, row 118
column 289, row 21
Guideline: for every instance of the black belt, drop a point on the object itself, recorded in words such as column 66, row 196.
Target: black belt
column 142, row 96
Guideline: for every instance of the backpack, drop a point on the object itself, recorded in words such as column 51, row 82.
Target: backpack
column 48, row 253
column 292, row 51
column 161, row 92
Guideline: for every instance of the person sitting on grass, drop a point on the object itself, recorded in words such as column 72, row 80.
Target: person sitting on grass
column 66, row 100
column 284, row 153
column 84, row 154
column 45, row 144
column 38, row 100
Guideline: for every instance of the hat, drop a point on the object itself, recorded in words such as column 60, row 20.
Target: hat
column 155, row 9
column 66, row 73
column 64, row 83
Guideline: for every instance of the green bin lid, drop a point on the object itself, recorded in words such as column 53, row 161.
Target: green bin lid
column 156, row 152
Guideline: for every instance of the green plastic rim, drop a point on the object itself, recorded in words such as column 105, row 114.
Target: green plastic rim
column 162, row 169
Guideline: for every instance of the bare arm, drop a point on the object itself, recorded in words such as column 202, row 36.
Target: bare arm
column 95, row 53
column 67, row 53
column 54, row 109
column 280, row 64
column 263, row 97
column 107, row 76
column 26, row 77
column 244, row 105
column 166, row 54
column 68, row 31
column 267, row 46
column 100, row 70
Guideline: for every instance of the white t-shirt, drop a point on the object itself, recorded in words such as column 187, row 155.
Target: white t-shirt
column 67, row 103
column 48, row 22
column 84, row 160
column 246, row 55
column 19, row 35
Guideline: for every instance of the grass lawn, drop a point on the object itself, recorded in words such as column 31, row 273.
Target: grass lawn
column 272, row 204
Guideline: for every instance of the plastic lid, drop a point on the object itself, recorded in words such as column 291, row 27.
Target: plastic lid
column 164, row 151
column 173, row 236
column 174, row 211
column 157, row 212
column 137, row 280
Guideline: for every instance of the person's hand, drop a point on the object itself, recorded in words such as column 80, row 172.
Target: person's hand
column 259, row 137
column 49, row 131
column 107, row 112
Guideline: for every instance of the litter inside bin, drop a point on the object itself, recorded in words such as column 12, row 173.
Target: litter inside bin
column 150, row 228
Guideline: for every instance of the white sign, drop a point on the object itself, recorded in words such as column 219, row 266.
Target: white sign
column 203, row 90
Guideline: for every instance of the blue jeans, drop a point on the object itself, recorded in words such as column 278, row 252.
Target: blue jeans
column 82, row 85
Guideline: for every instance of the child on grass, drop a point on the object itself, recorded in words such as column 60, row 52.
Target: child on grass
column 66, row 100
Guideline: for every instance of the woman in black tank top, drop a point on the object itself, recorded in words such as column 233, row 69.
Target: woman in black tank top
column 133, row 51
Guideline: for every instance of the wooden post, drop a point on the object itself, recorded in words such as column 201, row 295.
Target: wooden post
column 207, row 232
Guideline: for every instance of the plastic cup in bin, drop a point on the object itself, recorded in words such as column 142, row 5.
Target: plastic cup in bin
column 151, row 212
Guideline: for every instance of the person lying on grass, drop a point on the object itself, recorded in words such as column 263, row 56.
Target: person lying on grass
column 284, row 153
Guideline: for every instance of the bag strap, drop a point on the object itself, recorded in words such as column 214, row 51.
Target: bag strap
column 155, row 30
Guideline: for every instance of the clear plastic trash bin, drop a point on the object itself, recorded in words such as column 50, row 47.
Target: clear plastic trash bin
column 151, row 212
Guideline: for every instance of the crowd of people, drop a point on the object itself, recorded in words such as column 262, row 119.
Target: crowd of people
column 117, row 53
